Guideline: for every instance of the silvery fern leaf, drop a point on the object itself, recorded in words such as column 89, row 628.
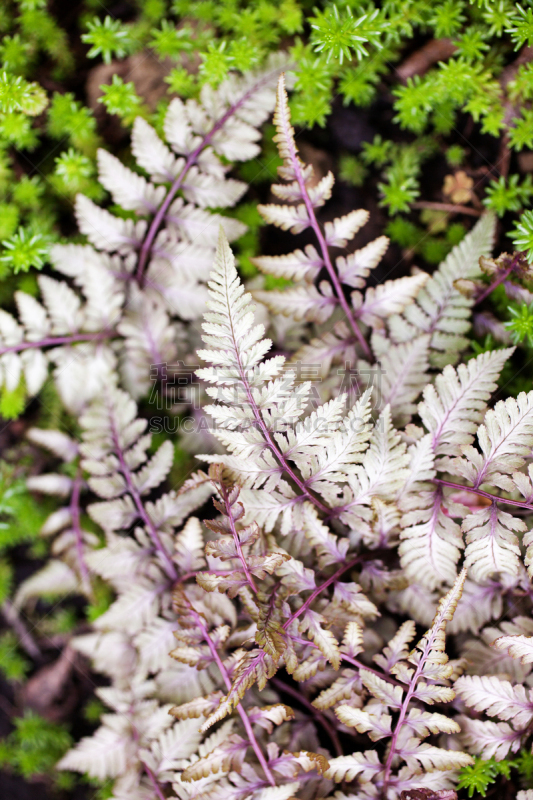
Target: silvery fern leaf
column 293, row 218
column 56, row 579
column 103, row 755
column 379, row 477
column 387, row 298
column 489, row 739
column 159, row 251
column 32, row 316
column 251, row 392
column 518, row 646
column 499, row 699
column 63, row 331
column 189, row 547
column 301, row 302
column 431, row 540
column 440, row 309
column 171, row 748
column 452, row 408
column 339, row 232
column 496, row 698
column 152, row 154
column 207, row 192
column 377, row 727
column 491, row 544
column 346, row 768
column 228, row 327
column 337, row 346
column 105, row 231
column 133, row 637
column 355, row 268
column 62, row 304
column 505, row 439
column 418, row 674
column 197, row 226
column 163, row 256
column 81, row 371
column 397, row 648
column 129, row 190
column 451, row 411
column 57, row 442
column 401, row 376
column 307, row 302
column 150, row 344
column 114, row 453
column 330, row 549
column 306, row 196
column 229, row 116
column 296, row 266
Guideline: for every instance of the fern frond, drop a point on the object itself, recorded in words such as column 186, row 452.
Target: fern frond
column 505, row 440
column 440, row 309
column 496, row 697
column 301, row 302
column 420, row 672
column 386, row 299
column 492, row 546
column 402, row 376
column 518, row 646
column 452, row 408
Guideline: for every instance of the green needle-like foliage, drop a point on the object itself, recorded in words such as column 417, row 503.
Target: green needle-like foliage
column 35, row 745
column 521, row 324
column 522, row 235
column 109, row 39
column 477, row 779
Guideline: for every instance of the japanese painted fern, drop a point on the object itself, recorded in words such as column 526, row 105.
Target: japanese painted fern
column 238, row 647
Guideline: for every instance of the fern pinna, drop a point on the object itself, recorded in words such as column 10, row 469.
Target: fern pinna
column 337, row 506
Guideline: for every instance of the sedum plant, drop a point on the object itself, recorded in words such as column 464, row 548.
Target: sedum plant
column 258, row 630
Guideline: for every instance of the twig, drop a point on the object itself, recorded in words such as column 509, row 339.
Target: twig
column 485, row 293
column 52, row 341
column 27, row 642
column 76, row 526
column 503, row 162
column 421, row 60
column 451, row 208
column 492, row 497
